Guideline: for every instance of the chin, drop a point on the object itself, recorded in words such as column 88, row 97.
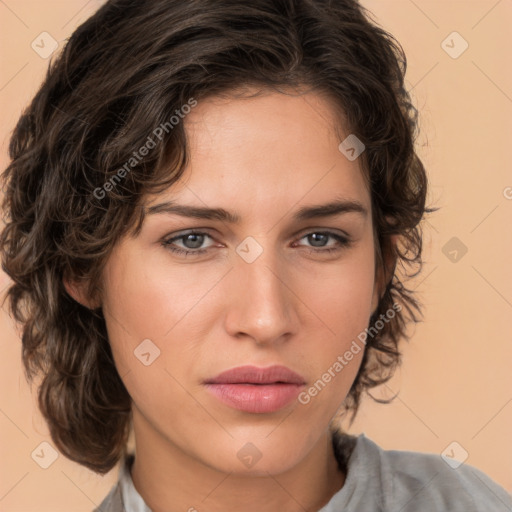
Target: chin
column 273, row 465
column 257, row 453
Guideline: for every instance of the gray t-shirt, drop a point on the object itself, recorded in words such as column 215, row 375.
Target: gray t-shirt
column 377, row 480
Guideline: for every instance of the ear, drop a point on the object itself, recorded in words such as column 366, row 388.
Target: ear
column 78, row 291
column 384, row 275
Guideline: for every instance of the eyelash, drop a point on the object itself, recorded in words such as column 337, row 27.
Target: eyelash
column 343, row 241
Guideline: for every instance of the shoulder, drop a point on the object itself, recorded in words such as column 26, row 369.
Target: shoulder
column 411, row 481
column 449, row 487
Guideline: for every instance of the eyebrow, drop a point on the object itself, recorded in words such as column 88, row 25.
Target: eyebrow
column 331, row 209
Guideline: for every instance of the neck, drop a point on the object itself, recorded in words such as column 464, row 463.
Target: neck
column 171, row 480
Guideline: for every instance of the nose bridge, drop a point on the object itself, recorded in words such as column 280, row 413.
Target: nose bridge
column 261, row 305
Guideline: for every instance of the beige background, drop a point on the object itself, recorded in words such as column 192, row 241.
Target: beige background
column 456, row 381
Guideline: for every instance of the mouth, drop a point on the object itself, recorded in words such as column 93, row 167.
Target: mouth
column 256, row 390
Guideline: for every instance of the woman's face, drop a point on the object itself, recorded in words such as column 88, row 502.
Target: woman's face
column 274, row 288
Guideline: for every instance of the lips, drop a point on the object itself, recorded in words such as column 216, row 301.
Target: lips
column 256, row 390
column 253, row 375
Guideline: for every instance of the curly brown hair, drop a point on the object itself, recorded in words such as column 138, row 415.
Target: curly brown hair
column 123, row 73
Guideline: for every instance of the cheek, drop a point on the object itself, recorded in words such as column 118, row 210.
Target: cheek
column 343, row 303
column 341, row 295
column 146, row 297
column 136, row 309
column 149, row 303
column 144, row 308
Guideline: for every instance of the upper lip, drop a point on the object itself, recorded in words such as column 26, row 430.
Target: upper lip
column 254, row 375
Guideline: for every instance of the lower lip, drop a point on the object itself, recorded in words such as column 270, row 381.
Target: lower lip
column 255, row 398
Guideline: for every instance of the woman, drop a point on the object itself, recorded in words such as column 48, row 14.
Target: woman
column 210, row 204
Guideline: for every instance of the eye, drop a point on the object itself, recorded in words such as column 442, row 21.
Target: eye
column 192, row 240
column 319, row 239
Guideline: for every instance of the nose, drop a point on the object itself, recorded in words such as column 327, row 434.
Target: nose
column 261, row 303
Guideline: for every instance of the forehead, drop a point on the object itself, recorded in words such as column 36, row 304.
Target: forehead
column 265, row 152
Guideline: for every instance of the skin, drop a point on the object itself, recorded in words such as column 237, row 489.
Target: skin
column 262, row 158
